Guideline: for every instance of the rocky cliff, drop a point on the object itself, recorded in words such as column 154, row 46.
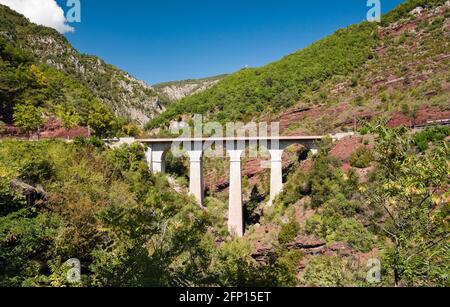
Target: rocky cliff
column 177, row 90
column 127, row 96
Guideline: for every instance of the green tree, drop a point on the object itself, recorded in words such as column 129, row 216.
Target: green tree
column 362, row 157
column 69, row 116
column 289, row 232
column 102, row 121
column 411, row 189
column 28, row 117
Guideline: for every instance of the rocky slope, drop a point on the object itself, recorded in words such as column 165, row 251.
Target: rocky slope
column 177, row 90
column 127, row 96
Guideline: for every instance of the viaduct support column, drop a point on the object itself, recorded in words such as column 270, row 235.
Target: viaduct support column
column 155, row 159
column 276, row 173
column 235, row 210
column 196, row 184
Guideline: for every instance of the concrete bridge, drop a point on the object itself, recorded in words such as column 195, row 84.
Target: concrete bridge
column 235, row 148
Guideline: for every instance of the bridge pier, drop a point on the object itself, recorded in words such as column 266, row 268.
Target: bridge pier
column 196, row 184
column 276, row 173
column 155, row 156
column 235, row 209
column 157, row 148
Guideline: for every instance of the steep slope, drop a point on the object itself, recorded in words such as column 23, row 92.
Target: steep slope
column 296, row 79
column 177, row 90
column 407, row 82
column 33, row 94
column 406, row 79
column 127, row 96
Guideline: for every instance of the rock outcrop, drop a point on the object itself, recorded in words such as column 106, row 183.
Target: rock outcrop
column 177, row 90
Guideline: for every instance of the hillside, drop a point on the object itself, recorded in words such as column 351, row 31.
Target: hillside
column 177, row 90
column 126, row 96
column 404, row 80
column 317, row 75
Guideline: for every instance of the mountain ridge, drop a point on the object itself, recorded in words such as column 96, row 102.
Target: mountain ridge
column 264, row 92
column 176, row 90
column 125, row 95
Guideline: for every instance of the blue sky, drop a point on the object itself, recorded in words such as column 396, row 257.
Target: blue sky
column 168, row 40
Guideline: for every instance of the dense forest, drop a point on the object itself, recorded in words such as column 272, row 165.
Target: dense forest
column 255, row 93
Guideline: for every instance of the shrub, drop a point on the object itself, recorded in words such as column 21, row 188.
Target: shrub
column 127, row 157
column 289, row 232
column 362, row 157
column 37, row 169
column 359, row 101
column 323, row 271
column 315, row 226
column 353, row 232
column 132, row 130
column 86, row 142
column 28, row 117
column 338, row 229
column 176, row 166
column 431, row 135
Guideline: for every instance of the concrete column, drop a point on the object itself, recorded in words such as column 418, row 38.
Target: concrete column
column 158, row 162
column 148, row 157
column 196, row 184
column 276, row 173
column 155, row 159
column 235, row 210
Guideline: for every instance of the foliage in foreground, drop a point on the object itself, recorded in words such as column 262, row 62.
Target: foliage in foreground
column 127, row 227
column 402, row 210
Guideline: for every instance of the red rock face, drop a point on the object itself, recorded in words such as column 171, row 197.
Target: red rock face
column 52, row 129
column 424, row 117
column 343, row 149
column 292, row 117
column 63, row 133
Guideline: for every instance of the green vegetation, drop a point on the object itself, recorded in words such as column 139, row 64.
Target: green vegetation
column 325, row 271
column 361, row 158
column 28, row 117
column 276, row 86
column 29, row 91
column 402, row 209
column 403, row 10
column 412, row 189
column 128, row 228
column 430, row 135
column 38, row 66
column 289, row 232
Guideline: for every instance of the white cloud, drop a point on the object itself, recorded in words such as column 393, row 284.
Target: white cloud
column 42, row 12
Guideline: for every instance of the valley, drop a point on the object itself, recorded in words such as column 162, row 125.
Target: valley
column 375, row 189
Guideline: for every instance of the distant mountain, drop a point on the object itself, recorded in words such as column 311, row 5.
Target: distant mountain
column 126, row 96
column 177, row 90
column 364, row 70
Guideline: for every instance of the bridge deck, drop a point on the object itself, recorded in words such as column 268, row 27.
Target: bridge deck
column 232, row 139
